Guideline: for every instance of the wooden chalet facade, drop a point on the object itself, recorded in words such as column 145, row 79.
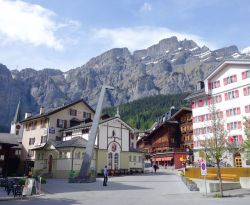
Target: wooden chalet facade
column 170, row 143
column 162, row 145
column 184, row 118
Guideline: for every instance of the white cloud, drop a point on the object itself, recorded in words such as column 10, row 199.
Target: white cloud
column 30, row 23
column 142, row 37
column 146, row 7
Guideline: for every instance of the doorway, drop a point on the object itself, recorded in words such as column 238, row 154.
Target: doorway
column 50, row 163
column 237, row 160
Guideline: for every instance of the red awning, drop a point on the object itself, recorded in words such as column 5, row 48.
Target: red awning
column 163, row 159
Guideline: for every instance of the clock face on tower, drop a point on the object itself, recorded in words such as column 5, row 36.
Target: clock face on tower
column 18, row 127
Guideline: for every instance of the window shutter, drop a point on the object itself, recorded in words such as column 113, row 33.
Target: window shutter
column 220, row 98
column 240, row 139
column 236, row 93
column 245, row 91
column 246, row 108
column 221, row 114
column 230, row 139
column 235, row 78
column 227, row 113
column 225, row 81
column 243, row 75
column 238, row 110
column 217, row 83
column 239, row 125
column 200, row 103
column 192, row 105
column 65, row 123
column 209, row 100
column 210, row 116
column 57, row 123
column 226, row 96
column 228, row 126
column 209, row 86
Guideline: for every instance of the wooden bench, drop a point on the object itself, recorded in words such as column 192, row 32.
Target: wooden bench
column 226, row 177
column 212, row 176
column 229, row 177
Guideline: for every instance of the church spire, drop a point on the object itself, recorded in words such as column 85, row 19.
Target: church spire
column 117, row 112
column 17, row 117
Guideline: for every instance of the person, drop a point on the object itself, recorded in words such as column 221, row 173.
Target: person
column 155, row 167
column 105, row 176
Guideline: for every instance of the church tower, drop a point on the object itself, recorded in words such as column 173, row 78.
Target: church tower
column 16, row 126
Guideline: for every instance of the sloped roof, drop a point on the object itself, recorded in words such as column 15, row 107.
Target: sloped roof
column 85, row 125
column 7, row 138
column 58, row 109
column 182, row 110
column 74, row 142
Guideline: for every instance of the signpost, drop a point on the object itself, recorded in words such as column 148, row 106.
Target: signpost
column 204, row 173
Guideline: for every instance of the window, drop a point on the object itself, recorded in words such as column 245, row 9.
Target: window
column 132, row 145
column 33, row 125
column 134, row 158
column 130, row 158
column 1, row 157
column 233, row 112
column 85, row 131
column 247, row 108
column 234, row 125
column 116, row 161
column 232, row 95
column 32, row 141
column 61, row 123
column 68, row 134
column 60, row 155
column 30, row 153
column 245, row 74
column 110, row 158
column 78, row 155
column 246, row 91
column 86, row 115
column 43, row 123
column 73, row 112
column 27, row 127
column 215, row 84
column 217, row 99
column 230, row 79
column 43, row 139
column 58, row 138
column 18, row 152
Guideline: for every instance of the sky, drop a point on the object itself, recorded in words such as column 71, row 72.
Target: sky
column 65, row 34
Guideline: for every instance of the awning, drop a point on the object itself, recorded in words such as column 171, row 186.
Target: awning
column 163, row 159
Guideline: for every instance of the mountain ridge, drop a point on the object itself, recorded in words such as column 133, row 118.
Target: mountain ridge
column 169, row 67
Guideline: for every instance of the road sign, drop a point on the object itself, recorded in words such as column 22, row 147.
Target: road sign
column 203, row 169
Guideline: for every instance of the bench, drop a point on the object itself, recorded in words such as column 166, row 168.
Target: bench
column 212, row 176
column 226, row 177
column 229, row 177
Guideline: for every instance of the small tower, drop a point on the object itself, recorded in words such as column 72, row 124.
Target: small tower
column 16, row 127
column 117, row 112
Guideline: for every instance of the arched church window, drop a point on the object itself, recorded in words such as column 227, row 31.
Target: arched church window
column 116, row 161
column 110, row 158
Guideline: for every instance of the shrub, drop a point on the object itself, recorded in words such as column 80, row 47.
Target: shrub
column 21, row 181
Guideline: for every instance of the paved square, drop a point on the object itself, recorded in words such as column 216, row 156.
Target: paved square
column 158, row 189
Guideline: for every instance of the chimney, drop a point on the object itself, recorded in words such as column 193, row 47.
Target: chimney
column 27, row 115
column 42, row 110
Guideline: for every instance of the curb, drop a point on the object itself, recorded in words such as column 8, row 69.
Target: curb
column 20, row 198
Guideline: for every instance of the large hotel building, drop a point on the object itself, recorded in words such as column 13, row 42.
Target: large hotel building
column 227, row 87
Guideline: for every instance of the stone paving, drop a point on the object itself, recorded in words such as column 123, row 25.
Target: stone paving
column 156, row 189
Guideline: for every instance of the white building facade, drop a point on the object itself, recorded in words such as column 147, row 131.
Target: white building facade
column 228, row 89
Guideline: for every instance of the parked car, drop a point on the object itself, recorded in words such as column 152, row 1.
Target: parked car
column 148, row 168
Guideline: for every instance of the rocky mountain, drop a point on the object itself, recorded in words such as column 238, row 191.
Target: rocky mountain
column 171, row 66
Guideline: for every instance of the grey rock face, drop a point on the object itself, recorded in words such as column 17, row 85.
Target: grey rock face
column 171, row 66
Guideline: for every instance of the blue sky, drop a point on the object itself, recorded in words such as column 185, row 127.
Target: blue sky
column 65, row 34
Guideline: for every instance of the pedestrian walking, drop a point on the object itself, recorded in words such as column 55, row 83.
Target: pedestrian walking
column 155, row 167
column 105, row 176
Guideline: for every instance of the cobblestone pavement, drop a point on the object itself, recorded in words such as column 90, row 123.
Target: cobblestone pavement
column 158, row 189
